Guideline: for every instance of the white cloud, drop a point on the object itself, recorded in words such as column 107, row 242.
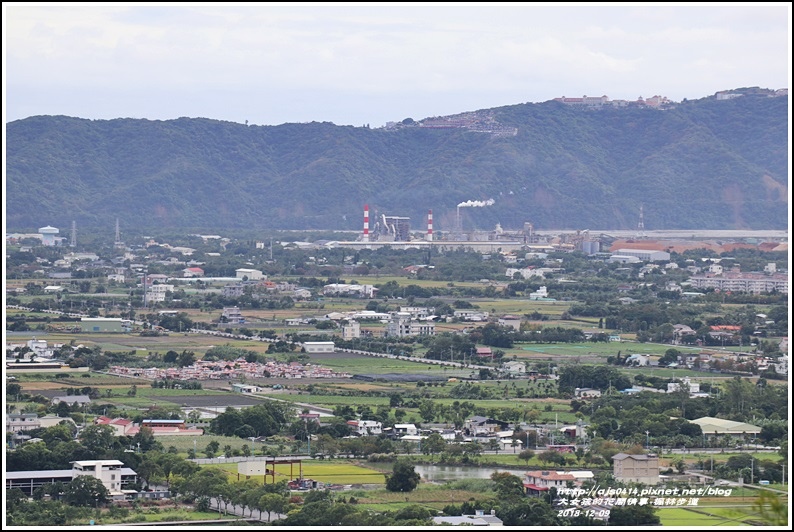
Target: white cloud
column 355, row 64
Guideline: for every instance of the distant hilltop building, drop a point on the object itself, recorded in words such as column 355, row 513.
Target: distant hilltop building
column 750, row 91
column 597, row 102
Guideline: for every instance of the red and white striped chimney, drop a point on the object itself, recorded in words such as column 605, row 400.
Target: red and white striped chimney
column 430, row 225
column 365, row 237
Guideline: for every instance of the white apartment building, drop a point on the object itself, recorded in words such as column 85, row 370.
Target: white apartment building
column 351, row 330
column 402, row 324
column 752, row 282
column 109, row 472
column 645, row 255
column 156, row 292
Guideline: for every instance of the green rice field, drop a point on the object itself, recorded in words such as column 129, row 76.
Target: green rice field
column 707, row 516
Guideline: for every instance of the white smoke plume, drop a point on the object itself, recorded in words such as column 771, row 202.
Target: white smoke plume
column 475, row 203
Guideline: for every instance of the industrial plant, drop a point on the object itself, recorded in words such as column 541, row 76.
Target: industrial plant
column 395, row 231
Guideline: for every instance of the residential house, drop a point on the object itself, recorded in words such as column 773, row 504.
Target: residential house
column 120, row 426
column 193, row 272
column 402, row 324
column 538, row 483
column 587, row 393
column 232, row 315
column 483, row 426
column 405, row 429
column 364, row 427
column 471, row 315
column 233, row 290
column 80, row 400
column 640, row 468
column 515, row 367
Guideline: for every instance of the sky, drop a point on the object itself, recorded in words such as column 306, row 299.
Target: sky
column 357, row 64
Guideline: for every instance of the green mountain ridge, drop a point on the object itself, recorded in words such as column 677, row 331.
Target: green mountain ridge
column 703, row 164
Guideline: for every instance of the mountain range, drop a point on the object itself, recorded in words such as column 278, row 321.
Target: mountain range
column 697, row 164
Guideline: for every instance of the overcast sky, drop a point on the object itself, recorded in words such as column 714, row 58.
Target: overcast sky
column 369, row 64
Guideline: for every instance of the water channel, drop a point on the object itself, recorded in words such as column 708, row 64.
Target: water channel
column 441, row 473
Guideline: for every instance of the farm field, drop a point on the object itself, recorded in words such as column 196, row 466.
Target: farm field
column 435, row 497
column 325, row 471
column 735, row 515
column 363, row 364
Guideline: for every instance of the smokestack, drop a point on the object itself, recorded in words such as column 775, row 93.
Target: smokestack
column 430, row 225
column 365, row 238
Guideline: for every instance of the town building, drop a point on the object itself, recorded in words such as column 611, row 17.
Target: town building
column 363, row 427
column 233, row 290
column 319, row 347
column 752, row 282
column 352, row 329
column 639, row 468
column 351, row 290
column 538, row 483
column 232, row 315
column 156, row 292
column 402, row 324
column 112, row 473
column 249, row 274
column 105, row 325
column 471, row 315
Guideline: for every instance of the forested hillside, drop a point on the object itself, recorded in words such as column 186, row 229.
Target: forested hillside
column 704, row 164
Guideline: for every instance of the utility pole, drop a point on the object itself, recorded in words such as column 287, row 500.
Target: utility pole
column 752, row 466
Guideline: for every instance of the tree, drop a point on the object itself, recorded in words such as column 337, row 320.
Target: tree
column 186, row 358
column 146, row 441
column 526, row 455
column 508, row 486
column 272, row 502
column 670, row 356
column 552, row 457
column 403, row 477
column 86, row 490
column 427, row 410
column 212, row 448
column 99, row 439
column 433, row 444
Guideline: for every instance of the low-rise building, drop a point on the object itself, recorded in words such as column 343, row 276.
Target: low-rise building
column 640, row 468
column 319, row 347
column 249, row 274
column 232, row 315
column 104, row 325
column 402, row 324
column 536, row 483
column 118, row 479
column 364, row 427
